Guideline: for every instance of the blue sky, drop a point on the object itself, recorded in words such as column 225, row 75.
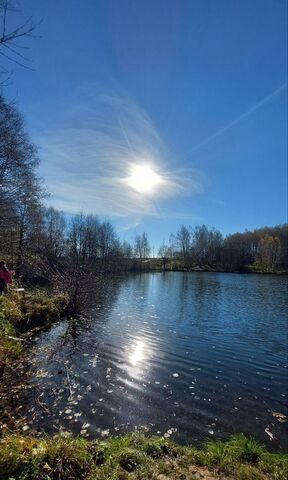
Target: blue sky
column 196, row 89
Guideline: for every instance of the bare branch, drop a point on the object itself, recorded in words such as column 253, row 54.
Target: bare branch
column 4, row 15
column 11, row 59
column 10, row 39
column 16, row 53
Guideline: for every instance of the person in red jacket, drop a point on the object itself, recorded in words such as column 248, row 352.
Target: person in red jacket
column 5, row 278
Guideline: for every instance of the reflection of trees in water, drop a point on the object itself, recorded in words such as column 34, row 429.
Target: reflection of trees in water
column 141, row 287
column 142, row 280
column 199, row 298
column 206, row 299
column 266, row 298
column 105, row 295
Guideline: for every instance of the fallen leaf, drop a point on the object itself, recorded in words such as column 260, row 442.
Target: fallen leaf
column 269, row 434
column 280, row 417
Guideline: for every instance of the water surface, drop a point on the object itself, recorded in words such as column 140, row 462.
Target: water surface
column 193, row 355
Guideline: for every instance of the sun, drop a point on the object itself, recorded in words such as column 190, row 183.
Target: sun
column 144, row 179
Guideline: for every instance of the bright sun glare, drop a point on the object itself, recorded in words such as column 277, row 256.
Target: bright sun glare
column 137, row 354
column 143, row 179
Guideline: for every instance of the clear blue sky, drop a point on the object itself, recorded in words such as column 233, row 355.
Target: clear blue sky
column 196, row 87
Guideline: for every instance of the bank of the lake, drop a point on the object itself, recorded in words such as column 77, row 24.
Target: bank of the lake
column 138, row 457
column 19, row 312
column 179, row 265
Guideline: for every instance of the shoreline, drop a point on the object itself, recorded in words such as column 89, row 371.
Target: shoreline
column 207, row 270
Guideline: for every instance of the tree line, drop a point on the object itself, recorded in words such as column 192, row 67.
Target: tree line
column 264, row 248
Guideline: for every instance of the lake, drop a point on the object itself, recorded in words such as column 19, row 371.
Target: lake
column 194, row 356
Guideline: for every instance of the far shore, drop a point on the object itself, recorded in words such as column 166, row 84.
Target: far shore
column 157, row 264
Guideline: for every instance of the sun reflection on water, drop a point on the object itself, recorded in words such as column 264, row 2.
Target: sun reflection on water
column 138, row 353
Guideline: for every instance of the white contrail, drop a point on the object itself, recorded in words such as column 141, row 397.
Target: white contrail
column 242, row 116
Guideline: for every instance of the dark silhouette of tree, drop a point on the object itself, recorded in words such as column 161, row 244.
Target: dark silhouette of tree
column 11, row 45
column 183, row 241
column 20, row 188
column 142, row 248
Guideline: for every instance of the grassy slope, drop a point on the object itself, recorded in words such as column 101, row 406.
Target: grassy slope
column 136, row 457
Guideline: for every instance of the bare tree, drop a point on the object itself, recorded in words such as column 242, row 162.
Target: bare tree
column 20, row 188
column 141, row 246
column 269, row 251
column 11, row 47
column 183, row 239
column 53, row 235
column 164, row 251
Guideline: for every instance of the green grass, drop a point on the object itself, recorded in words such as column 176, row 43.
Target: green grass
column 135, row 457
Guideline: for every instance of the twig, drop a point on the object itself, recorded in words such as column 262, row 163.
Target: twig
column 69, row 385
column 43, row 406
column 15, row 338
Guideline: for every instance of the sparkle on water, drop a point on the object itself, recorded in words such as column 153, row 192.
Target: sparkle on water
column 137, row 354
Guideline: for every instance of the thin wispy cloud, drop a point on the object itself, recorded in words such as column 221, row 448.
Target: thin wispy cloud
column 90, row 163
column 241, row 117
